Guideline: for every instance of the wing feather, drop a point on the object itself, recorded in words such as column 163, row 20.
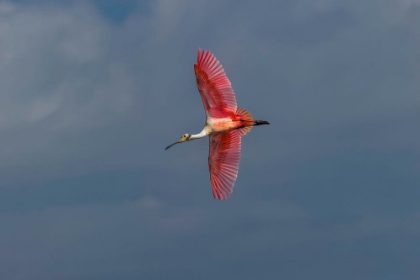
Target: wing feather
column 214, row 86
column 224, row 156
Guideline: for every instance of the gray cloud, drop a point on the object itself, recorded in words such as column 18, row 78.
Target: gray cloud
column 90, row 99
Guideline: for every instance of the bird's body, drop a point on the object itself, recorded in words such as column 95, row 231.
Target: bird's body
column 225, row 124
column 222, row 124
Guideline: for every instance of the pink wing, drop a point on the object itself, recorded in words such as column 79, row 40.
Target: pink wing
column 214, row 87
column 224, row 155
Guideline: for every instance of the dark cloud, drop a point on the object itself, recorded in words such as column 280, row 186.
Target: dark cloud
column 93, row 91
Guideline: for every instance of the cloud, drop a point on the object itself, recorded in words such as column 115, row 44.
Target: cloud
column 57, row 241
column 57, row 62
column 90, row 98
column 58, row 79
column 138, row 240
column 82, row 74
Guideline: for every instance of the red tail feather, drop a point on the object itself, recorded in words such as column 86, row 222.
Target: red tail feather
column 247, row 120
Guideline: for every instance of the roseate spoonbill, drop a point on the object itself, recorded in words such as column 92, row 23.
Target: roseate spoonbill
column 225, row 124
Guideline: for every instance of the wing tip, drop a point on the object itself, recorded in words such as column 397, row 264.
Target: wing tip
column 198, row 54
column 203, row 56
column 218, row 195
column 220, row 190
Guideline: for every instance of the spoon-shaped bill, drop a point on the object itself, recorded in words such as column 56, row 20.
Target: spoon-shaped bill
column 171, row 145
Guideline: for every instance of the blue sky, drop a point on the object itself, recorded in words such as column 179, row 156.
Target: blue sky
column 93, row 91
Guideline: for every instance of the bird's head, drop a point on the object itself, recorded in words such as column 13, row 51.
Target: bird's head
column 183, row 138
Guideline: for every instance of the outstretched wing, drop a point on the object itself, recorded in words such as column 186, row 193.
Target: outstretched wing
column 224, row 155
column 214, row 87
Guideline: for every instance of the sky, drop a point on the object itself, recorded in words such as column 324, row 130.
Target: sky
column 93, row 91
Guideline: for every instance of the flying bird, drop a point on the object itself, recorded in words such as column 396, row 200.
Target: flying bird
column 225, row 124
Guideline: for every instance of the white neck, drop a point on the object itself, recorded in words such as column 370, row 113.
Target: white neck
column 202, row 134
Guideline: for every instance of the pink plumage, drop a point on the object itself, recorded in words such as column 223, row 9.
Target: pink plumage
column 224, row 155
column 225, row 124
column 214, row 87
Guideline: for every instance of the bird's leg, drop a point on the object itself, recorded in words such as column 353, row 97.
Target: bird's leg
column 252, row 123
column 259, row 122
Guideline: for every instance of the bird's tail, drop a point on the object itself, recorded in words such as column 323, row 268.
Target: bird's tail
column 247, row 121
